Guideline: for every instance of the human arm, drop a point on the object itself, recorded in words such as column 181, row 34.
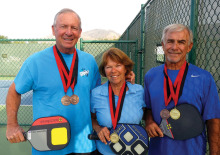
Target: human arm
column 213, row 131
column 152, row 128
column 102, row 132
column 14, row 131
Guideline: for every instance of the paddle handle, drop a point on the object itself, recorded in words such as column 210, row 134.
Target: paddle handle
column 25, row 135
column 93, row 137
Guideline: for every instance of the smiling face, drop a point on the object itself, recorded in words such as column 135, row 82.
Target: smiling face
column 115, row 72
column 67, row 31
column 176, row 46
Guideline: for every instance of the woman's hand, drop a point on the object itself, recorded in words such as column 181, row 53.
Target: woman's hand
column 104, row 134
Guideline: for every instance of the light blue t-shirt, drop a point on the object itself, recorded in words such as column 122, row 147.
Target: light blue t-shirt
column 132, row 111
column 40, row 74
column 199, row 90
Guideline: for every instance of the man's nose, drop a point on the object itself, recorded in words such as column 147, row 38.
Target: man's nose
column 69, row 31
column 175, row 46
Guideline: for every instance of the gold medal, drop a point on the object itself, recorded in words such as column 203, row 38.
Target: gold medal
column 175, row 114
column 65, row 100
column 74, row 99
column 114, row 137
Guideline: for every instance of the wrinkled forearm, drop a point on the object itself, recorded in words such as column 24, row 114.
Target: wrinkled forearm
column 213, row 129
column 13, row 101
column 148, row 117
column 95, row 124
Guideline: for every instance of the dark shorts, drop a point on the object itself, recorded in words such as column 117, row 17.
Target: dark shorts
column 96, row 152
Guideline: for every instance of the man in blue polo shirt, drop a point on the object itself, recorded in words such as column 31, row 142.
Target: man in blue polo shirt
column 199, row 90
column 61, row 78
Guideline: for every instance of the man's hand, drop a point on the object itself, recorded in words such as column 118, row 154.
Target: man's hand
column 130, row 77
column 14, row 133
column 152, row 128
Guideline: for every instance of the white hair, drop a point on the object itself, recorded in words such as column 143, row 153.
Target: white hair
column 177, row 28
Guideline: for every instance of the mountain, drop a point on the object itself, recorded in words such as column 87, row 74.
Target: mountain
column 100, row 34
column 96, row 34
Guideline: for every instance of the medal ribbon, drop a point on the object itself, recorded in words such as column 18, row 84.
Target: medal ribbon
column 174, row 91
column 116, row 113
column 68, row 77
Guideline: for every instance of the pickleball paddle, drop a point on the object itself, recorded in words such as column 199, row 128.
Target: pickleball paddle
column 131, row 139
column 190, row 123
column 49, row 133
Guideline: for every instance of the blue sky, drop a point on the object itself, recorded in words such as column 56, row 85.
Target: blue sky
column 33, row 19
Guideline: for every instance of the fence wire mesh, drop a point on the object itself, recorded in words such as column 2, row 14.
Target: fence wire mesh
column 145, row 31
column 12, row 55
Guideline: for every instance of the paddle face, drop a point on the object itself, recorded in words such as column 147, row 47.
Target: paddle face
column 133, row 140
column 49, row 133
column 190, row 123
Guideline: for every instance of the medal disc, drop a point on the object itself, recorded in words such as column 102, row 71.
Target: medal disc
column 165, row 114
column 114, row 137
column 74, row 99
column 65, row 100
column 175, row 114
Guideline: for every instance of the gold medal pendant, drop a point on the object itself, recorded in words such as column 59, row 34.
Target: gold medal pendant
column 74, row 99
column 114, row 137
column 175, row 114
column 65, row 100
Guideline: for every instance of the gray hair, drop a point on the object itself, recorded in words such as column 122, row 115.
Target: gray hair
column 66, row 10
column 177, row 28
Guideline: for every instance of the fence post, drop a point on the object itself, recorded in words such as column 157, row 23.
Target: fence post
column 142, row 42
column 136, row 59
column 81, row 44
column 193, row 27
column 127, row 39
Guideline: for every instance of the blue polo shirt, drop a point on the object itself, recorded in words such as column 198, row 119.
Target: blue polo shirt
column 40, row 74
column 199, row 90
column 132, row 111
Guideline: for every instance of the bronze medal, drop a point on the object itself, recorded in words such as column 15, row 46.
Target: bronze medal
column 65, row 100
column 74, row 99
column 114, row 137
column 165, row 114
column 175, row 114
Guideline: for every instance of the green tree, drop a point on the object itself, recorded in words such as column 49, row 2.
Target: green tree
column 3, row 40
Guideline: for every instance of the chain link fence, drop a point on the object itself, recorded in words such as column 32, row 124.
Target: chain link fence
column 97, row 48
column 13, row 52
column 141, row 41
column 201, row 16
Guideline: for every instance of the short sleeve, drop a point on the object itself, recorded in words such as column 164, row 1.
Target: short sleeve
column 211, row 99
column 24, row 81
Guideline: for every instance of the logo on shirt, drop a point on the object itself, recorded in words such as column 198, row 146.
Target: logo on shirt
column 193, row 76
column 84, row 72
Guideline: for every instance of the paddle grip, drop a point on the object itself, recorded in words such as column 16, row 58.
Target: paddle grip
column 93, row 137
column 25, row 135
